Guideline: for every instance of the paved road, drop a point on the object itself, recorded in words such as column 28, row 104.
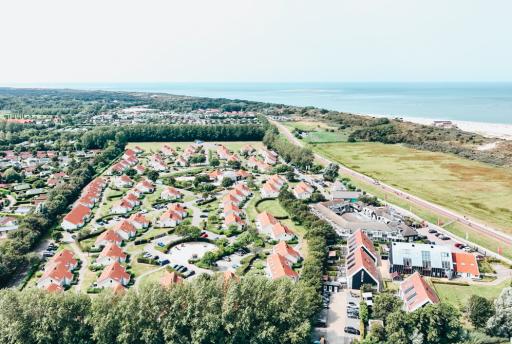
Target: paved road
column 441, row 211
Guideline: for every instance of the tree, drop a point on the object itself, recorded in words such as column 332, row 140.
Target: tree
column 479, row 310
column 500, row 324
column 152, row 175
column 227, row 182
column 11, row 176
column 331, row 172
column 438, row 324
column 384, row 305
column 131, row 172
column 214, row 162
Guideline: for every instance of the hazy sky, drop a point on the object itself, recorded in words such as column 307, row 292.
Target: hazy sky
column 261, row 40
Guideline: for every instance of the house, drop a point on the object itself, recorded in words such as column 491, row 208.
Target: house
column 170, row 219
column 139, row 169
column 223, row 152
column 168, row 150
column 265, row 221
column 285, row 250
column 361, row 269
column 233, row 220
column 231, row 208
column 157, row 163
column 247, row 149
column 54, row 288
column 121, row 207
column 242, row 174
column 132, row 199
column 123, row 181
column 181, row 161
column 359, row 239
column 129, row 153
column 269, row 156
column 171, row 193
column 281, row 232
column 113, row 275
column 428, row 260
column 145, row 186
column 231, row 198
column 76, row 218
column 303, row 190
column 139, row 221
column 465, row 265
column 215, row 176
column 179, row 208
column 415, row 292
column 88, row 200
column 108, row 236
column 111, row 253
column 279, row 267
column 66, row 258
column 269, row 190
column 243, row 190
column 170, row 278
column 125, row 229
column 138, row 150
column 55, row 274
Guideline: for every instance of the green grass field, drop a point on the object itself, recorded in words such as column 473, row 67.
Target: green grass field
column 155, row 146
column 476, row 189
column 318, row 132
column 459, row 295
column 273, row 207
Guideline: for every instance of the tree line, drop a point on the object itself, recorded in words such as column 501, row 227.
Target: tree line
column 209, row 309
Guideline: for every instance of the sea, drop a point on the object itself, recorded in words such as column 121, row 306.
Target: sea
column 473, row 102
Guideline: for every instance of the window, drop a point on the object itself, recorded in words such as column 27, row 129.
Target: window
column 410, row 297
column 407, row 261
column 445, row 264
column 425, row 258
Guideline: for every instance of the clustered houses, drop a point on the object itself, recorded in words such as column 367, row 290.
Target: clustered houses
column 223, row 152
column 129, row 160
column 173, row 216
column 362, row 261
column 279, row 267
column 258, row 165
column 432, row 260
column 56, row 179
column 303, row 190
column 42, row 159
column 415, row 292
column 168, row 151
column 170, row 193
column 58, row 272
column 123, row 181
column 157, row 163
column 269, row 156
column 247, row 150
column 81, row 211
column 132, row 197
column 273, row 186
column 270, row 226
column 231, row 206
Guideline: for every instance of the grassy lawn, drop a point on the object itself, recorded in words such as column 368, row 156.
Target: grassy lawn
column 459, row 295
column 479, row 190
column 155, row 146
column 273, row 207
column 319, row 132
column 153, row 277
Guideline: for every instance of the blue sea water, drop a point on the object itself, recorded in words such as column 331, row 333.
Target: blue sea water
column 477, row 102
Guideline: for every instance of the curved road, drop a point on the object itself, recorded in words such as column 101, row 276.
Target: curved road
column 482, row 228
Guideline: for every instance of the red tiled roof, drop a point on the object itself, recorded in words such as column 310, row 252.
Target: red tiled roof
column 284, row 249
column 110, row 236
column 77, row 214
column 279, row 267
column 358, row 260
column 114, row 251
column 114, row 271
column 465, row 263
column 415, row 292
column 266, row 218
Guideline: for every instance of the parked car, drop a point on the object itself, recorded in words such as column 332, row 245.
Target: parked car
column 48, row 254
column 468, row 249
column 432, row 231
column 164, row 262
column 352, row 304
column 444, row 237
column 161, row 244
column 351, row 330
column 189, row 273
column 204, row 235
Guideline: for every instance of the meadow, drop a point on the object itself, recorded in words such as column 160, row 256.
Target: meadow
column 156, row 146
column 458, row 295
column 476, row 189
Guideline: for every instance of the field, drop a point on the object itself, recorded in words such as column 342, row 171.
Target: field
column 155, row 146
column 318, row 132
column 478, row 190
column 273, row 207
column 459, row 295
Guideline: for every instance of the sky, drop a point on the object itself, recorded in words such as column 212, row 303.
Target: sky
column 56, row 41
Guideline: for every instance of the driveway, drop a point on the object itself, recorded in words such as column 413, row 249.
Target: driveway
column 337, row 319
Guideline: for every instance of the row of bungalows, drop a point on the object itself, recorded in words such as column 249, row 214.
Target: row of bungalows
column 231, row 206
column 56, row 179
column 280, row 262
column 81, row 211
column 157, row 163
column 168, row 151
column 183, row 159
column 270, row 226
column 432, row 260
column 258, row 165
column 58, row 272
column 128, row 161
column 303, row 190
column 173, row 216
column 216, row 176
column 269, row 156
column 123, row 230
column 362, row 262
column 273, row 186
column 132, row 197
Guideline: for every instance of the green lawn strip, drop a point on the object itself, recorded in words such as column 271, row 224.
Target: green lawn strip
column 459, row 295
column 273, row 207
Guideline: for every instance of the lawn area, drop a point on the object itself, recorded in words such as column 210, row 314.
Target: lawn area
column 476, row 189
column 153, row 277
column 318, row 132
column 273, row 207
column 155, row 146
column 459, row 295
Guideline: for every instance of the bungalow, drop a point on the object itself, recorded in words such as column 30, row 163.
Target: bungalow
column 215, row 176
column 415, row 292
column 279, row 267
column 138, row 150
column 243, row 189
column 231, row 208
column 55, row 274
column 170, row 219
column 281, row 232
column 465, row 265
column 170, row 278
column 179, row 208
column 88, row 200
column 107, row 237
column 231, row 198
column 265, row 221
column 303, row 190
column 111, row 253
column 242, row 174
column 132, row 199
column 139, row 221
column 233, row 220
column 54, row 288
column 269, row 190
column 76, row 218
column 145, row 186
column 171, row 193
column 285, row 250
column 113, row 275
column 139, row 169
column 247, row 149
column 123, row 181
column 157, row 163
column 119, row 167
column 129, row 153
column 223, row 152
column 181, row 161
column 270, row 157
column 121, row 207
column 125, row 229
column 66, row 258
column 361, row 269
column 168, row 150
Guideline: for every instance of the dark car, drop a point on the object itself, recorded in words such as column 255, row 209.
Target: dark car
column 432, row 231
column 352, row 330
column 189, row 273
column 444, row 237
column 164, row 262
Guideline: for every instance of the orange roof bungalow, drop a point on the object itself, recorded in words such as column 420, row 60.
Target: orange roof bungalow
column 129, row 153
column 416, row 293
column 230, row 208
column 179, row 208
column 55, row 274
column 247, row 149
column 465, row 265
column 113, row 275
column 170, row 278
column 171, row 193
column 303, row 190
column 145, row 186
column 138, row 150
column 139, row 221
column 242, row 174
column 76, row 218
column 243, row 190
column 125, row 229
column 107, row 237
column 54, row 288
column 285, row 250
column 279, row 267
column 110, row 254
column 270, row 190
column 168, row 150
column 233, row 220
column 170, row 218
column 121, row 207
column 281, row 232
column 361, row 269
column 123, row 181
column 65, row 257
column 265, row 221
